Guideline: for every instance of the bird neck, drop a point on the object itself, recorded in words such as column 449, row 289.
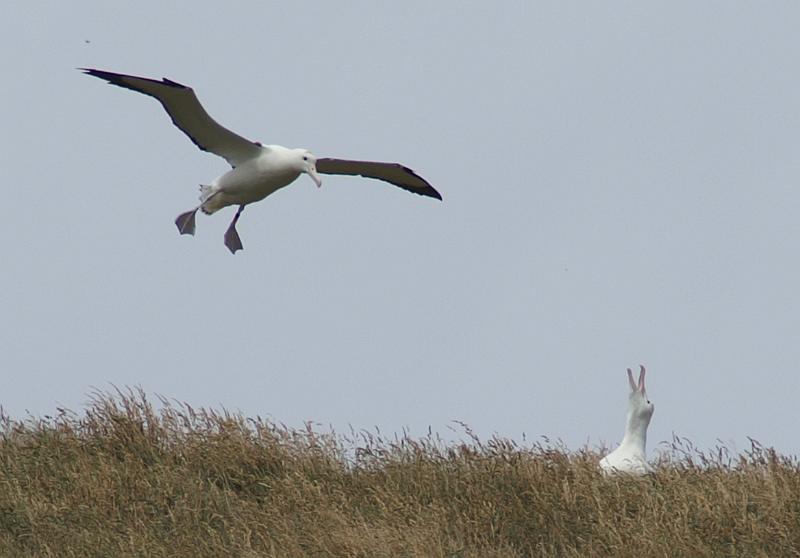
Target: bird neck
column 635, row 433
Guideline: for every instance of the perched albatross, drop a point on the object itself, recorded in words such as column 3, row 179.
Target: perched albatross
column 258, row 170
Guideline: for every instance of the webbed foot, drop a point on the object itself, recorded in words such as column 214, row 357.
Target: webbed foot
column 186, row 222
column 232, row 240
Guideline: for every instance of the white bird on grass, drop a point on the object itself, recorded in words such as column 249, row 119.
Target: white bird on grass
column 258, row 170
column 630, row 456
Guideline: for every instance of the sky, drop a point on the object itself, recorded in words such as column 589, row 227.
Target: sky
column 621, row 185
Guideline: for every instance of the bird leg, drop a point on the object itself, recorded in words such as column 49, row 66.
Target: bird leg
column 232, row 240
column 185, row 221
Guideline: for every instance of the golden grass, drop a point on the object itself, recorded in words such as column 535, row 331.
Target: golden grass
column 128, row 479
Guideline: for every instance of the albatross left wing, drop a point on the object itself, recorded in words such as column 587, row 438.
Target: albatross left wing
column 393, row 173
column 188, row 114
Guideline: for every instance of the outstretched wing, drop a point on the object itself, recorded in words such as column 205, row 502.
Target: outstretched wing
column 188, row 114
column 392, row 173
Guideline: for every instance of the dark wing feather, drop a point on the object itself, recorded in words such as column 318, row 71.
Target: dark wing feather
column 393, row 173
column 188, row 114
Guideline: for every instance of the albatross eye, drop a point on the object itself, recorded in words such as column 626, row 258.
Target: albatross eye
column 305, row 157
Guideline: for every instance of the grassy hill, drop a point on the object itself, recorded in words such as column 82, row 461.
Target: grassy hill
column 124, row 479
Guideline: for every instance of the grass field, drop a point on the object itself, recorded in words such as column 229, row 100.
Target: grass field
column 126, row 478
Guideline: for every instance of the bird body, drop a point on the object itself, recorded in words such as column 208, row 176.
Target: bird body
column 257, row 170
column 255, row 179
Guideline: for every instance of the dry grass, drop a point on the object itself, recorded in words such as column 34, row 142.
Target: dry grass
column 125, row 479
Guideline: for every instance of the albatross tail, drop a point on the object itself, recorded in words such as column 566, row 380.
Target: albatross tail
column 210, row 200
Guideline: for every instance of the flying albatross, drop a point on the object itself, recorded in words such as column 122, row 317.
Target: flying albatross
column 258, row 170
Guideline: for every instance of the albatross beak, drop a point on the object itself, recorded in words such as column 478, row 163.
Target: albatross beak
column 312, row 172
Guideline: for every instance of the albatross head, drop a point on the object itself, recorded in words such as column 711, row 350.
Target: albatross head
column 640, row 409
column 308, row 164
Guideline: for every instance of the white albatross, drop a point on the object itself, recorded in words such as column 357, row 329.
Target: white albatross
column 258, row 170
column 631, row 455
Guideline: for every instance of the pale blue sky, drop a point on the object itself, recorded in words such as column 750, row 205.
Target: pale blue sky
column 621, row 184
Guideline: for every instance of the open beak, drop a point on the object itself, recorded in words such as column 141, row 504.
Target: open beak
column 312, row 172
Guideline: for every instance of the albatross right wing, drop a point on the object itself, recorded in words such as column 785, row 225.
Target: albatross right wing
column 188, row 114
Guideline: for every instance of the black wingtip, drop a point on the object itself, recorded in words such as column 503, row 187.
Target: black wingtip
column 434, row 194
column 110, row 77
column 119, row 79
column 99, row 73
column 428, row 190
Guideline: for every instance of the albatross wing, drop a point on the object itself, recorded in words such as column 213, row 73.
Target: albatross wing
column 393, row 173
column 188, row 114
